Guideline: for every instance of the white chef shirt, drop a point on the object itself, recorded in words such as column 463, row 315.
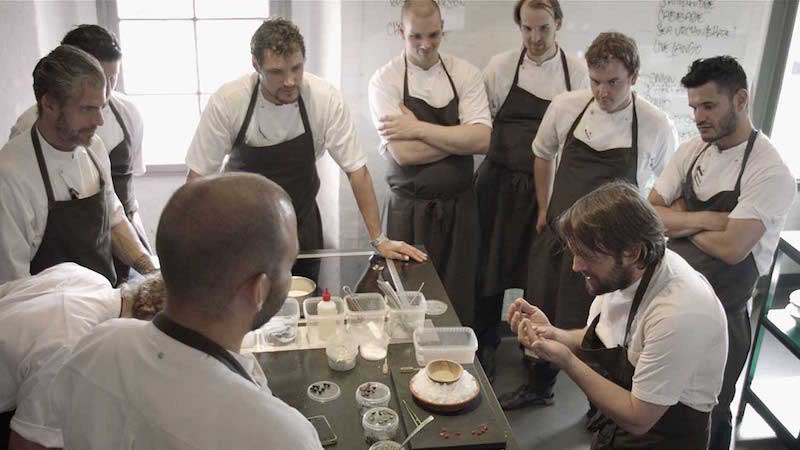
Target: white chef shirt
column 110, row 132
column 129, row 385
column 329, row 117
column 23, row 198
column 431, row 86
column 678, row 340
column 544, row 80
column 42, row 317
column 766, row 192
column 603, row 131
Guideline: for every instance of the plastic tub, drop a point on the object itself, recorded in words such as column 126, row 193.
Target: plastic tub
column 455, row 343
column 281, row 329
column 366, row 319
column 342, row 351
column 371, row 395
column 385, row 445
column 403, row 319
column 321, row 328
column 380, row 424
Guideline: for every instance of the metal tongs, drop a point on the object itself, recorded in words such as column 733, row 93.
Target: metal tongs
column 390, row 293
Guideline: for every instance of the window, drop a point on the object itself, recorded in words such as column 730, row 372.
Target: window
column 785, row 126
column 176, row 54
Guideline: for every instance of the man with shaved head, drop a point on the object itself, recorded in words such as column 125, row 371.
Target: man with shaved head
column 432, row 116
column 227, row 244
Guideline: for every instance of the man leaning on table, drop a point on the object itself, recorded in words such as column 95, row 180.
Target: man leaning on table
column 724, row 198
column 277, row 121
column 652, row 354
column 226, row 244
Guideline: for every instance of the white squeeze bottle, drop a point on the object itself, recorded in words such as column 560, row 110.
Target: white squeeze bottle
column 327, row 326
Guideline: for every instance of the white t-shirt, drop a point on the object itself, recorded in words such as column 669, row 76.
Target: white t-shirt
column 331, row 124
column 603, row 131
column 42, row 317
column 23, row 198
column 128, row 385
column 431, row 86
column 110, row 132
column 678, row 340
column 544, row 80
column 767, row 188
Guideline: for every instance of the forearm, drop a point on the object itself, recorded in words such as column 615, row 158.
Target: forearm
column 678, row 223
column 414, row 151
column 718, row 245
column 615, row 402
column 17, row 442
column 127, row 247
column 543, row 179
column 571, row 338
column 458, row 139
column 364, row 192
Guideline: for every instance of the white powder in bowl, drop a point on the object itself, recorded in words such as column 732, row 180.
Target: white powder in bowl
column 442, row 393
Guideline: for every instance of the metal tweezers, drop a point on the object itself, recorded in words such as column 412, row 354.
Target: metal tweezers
column 414, row 417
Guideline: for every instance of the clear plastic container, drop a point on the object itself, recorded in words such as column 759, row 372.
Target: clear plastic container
column 342, row 351
column 385, row 445
column 281, row 329
column 371, row 395
column 366, row 319
column 321, row 328
column 380, row 424
column 403, row 319
column 455, row 343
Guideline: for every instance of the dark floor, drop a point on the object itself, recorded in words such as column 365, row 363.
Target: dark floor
column 562, row 425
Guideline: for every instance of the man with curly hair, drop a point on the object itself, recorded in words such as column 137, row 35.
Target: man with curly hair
column 42, row 317
column 277, row 122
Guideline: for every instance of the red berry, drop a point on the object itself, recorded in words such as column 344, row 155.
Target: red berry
column 458, row 433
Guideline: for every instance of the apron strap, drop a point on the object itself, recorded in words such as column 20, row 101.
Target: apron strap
column 199, row 342
column 37, row 148
column 304, row 118
column 118, row 116
column 637, row 299
column 635, row 137
column 247, row 117
column 519, row 63
column 749, row 149
column 566, row 69
column 99, row 172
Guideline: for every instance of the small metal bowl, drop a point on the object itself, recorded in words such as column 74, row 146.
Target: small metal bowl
column 301, row 288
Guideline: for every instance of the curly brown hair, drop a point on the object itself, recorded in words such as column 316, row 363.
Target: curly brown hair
column 615, row 45
column 146, row 295
column 279, row 35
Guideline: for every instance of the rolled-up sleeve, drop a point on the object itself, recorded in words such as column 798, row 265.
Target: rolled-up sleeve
column 16, row 232
column 473, row 106
column 384, row 100
column 546, row 143
column 212, row 140
column 341, row 138
column 767, row 196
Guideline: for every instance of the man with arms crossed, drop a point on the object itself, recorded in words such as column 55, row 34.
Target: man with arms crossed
column 598, row 135
column 520, row 86
column 652, row 356
column 42, row 317
column 226, row 244
column 277, row 122
column 724, row 199
column 57, row 202
column 432, row 115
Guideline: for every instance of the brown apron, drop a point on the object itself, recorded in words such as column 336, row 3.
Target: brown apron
column 77, row 230
column 434, row 205
column 733, row 284
column 504, row 186
column 681, row 427
column 122, row 177
column 292, row 165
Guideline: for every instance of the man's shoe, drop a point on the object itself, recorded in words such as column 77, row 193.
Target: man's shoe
column 523, row 397
column 486, row 355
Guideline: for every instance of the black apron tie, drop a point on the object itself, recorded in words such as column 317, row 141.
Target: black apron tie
column 77, row 230
column 201, row 343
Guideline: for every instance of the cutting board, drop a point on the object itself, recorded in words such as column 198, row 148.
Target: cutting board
column 471, row 418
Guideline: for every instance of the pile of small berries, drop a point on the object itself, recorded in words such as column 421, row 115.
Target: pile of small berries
column 367, row 390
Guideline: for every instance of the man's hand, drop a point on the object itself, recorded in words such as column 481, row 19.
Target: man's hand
column 521, row 310
column 401, row 250
column 541, row 340
column 404, row 126
column 541, row 220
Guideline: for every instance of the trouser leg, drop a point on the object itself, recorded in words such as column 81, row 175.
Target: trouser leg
column 487, row 320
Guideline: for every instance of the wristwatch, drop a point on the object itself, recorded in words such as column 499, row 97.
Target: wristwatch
column 378, row 241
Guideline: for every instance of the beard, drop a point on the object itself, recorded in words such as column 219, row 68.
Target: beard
column 72, row 136
column 726, row 128
column 619, row 278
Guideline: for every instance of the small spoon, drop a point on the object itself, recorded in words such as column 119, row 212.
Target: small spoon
column 416, row 430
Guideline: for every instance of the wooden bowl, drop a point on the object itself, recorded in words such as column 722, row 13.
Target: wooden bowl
column 444, row 370
column 443, row 407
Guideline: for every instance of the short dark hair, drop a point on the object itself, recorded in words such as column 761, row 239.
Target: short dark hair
column 408, row 5
column 551, row 5
column 613, row 45
column 279, row 35
column 613, row 219
column 63, row 71
column 94, row 40
column 724, row 70
column 218, row 231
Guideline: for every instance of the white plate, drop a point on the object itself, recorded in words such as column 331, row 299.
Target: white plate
column 794, row 298
column 435, row 307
